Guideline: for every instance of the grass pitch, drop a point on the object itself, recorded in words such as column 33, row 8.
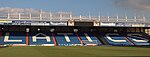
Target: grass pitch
column 78, row 51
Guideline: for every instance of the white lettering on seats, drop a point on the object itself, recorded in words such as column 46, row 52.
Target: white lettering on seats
column 66, row 36
column 45, row 37
column 110, row 38
column 6, row 38
column 88, row 37
column 136, row 40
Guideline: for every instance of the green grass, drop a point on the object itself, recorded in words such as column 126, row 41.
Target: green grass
column 89, row 51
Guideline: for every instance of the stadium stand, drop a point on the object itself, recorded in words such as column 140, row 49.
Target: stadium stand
column 89, row 39
column 14, row 38
column 67, row 39
column 138, row 38
column 41, row 39
column 67, row 29
column 116, row 39
column 73, row 39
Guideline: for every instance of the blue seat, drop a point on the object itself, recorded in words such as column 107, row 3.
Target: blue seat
column 138, row 38
column 72, row 39
column 41, row 39
column 13, row 36
column 116, row 40
column 93, row 38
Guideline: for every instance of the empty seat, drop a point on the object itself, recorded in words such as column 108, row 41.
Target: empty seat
column 138, row 38
column 41, row 39
column 89, row 39
column 13, row 38
column 116, row 39
column 67, row 39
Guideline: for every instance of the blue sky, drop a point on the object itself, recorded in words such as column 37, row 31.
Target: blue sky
column 78, row 7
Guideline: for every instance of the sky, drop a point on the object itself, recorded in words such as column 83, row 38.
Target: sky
column 78, row 7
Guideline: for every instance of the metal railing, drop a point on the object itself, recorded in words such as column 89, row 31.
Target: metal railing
column 69, row 16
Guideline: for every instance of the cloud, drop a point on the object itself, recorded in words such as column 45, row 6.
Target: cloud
column 16, row 11
column 142, row 5
column 25, row 12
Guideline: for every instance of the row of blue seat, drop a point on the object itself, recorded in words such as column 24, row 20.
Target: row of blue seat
column 62, row 39
column 126, row 39
column 67, row 39
column 12, row 38
column 73, row 39
column 40, row 38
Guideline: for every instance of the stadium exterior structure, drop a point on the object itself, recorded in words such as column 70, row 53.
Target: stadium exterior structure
column 66, row 29
column 137, row 21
